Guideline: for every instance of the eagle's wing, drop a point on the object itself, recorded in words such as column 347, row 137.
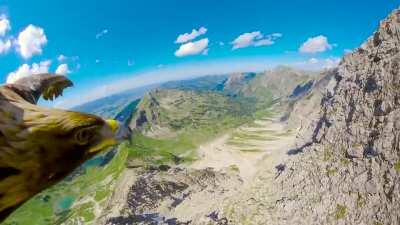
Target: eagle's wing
column 50, row 86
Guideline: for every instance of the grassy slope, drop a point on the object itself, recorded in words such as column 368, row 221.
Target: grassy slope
column 180, row 148
column 196, row 117
column 193, row 118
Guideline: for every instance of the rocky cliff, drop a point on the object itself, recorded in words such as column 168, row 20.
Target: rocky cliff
column 349, row 171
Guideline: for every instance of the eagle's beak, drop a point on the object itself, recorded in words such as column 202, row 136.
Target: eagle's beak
column 113, row 124
column 121, row 132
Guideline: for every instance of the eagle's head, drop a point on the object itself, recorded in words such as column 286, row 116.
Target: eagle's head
column 65, row 139
column 39, row 146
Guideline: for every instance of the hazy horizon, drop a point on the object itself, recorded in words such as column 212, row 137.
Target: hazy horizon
column 107, row 48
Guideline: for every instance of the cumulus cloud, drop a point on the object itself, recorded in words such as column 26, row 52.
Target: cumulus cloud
column 193, row 48
column 4, row 25
column 319, row 64
column 347, row 51
column 27, row 70
column 276, row 35
column 313, row 61
column 315, row 45
column 101, row 33
column 4, row 46
column 255, row 39
column 62, row 58
column 183, row 38
column 62, row 69
column 30, row 41
column 331, row 62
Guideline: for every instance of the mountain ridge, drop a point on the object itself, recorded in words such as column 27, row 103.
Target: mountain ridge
column 351, row 172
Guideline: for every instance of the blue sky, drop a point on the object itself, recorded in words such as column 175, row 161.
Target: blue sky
column 114, row 45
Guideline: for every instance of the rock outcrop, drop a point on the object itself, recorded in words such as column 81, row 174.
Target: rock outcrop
column 349, row 171
column 171, row 196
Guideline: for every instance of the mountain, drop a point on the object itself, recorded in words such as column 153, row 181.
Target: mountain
column 279, row 82
column 348, row 172
column 173, row 124
column 180, row 104
column 110, row 106
column 204, row 83
column 174, row 110
column 170, row 122
column 234, row 84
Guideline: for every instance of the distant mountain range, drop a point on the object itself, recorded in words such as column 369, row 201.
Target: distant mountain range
column 110, row 106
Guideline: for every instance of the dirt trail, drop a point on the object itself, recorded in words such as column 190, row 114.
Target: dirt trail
column 247, row 146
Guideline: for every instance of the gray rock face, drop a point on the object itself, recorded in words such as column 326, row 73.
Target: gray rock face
column 349, row 173
column 167, row 197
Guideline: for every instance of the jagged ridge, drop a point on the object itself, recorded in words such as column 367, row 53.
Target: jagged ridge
column 349, row 173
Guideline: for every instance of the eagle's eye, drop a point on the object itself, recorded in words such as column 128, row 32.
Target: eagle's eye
column 83, row 136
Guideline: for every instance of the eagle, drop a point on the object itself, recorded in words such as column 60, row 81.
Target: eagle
column 40, row 146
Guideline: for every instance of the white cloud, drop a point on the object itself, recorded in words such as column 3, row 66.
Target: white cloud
column 183, row 38
column 193, row 48
column 62, row 58
column 4, row 25
column 313, row 61
column 277, row 35
column 263, row 42
column 255, row 39
column 318, row 64
column 27, row 70
column 62, row 69
column 30, row 41
column 315, row 44
column 4, row 46
column 101, row 33
column 331, row 62
column 347, row 51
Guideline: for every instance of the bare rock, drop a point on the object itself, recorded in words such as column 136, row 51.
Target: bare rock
column 347, row 174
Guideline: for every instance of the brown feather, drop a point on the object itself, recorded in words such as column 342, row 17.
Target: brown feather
column 39, row 146
column 50, row 86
